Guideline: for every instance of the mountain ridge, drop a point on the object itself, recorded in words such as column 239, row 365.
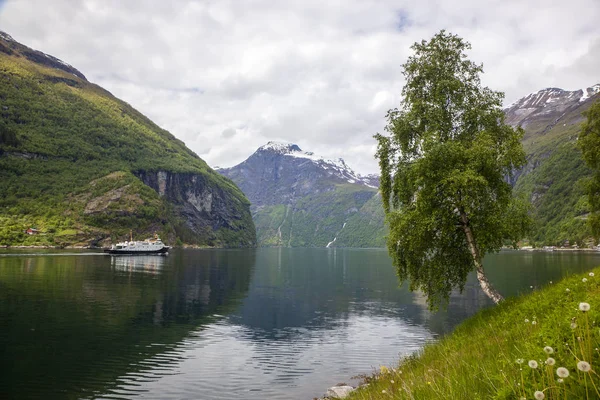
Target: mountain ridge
column 302, row 199
column 85, row 167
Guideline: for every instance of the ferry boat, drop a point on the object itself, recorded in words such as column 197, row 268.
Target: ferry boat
column 147, row 246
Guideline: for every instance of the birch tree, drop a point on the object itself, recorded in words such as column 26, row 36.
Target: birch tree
column 444, row 160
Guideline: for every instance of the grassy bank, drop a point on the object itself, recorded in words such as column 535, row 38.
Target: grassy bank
column 512, row 351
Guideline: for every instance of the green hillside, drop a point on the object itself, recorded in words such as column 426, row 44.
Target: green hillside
column 351, row 214
column 554, row 180
column 71, row 158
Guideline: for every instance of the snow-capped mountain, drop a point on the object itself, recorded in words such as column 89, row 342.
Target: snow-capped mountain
column 335, row 168
column 548, row 104
column 301, row 199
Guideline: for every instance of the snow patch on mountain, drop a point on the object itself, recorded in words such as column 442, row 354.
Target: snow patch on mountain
column 338, row 166
column 6, row 37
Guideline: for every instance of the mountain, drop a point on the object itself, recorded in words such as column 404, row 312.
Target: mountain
column 83, row 167
column 554, row 177
column 301, row 199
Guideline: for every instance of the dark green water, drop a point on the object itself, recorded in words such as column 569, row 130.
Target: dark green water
column 224, row 324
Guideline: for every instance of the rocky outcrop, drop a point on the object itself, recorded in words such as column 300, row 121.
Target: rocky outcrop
column 339, row 392
column 206, row 209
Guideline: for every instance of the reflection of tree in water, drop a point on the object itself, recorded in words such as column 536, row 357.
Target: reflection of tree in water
column 79, row 326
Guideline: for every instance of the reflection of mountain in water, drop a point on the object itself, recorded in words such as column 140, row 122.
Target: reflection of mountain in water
column 75, row 327
column 319, row 288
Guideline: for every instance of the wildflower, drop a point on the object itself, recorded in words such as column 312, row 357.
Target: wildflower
column 562, row 372
column 539, row 395
column 568, row 290
column 550, row 361
column 383, row 391
column 530, row 287
column 584, row 280
column 392, row 381
column 526, row 320
column 383, row 369
column 559, row 380
column 551, row 282
column 584, row 307
column 591, row 274
column 573, row 325
column 584, row 366
column 519, row 361
column 533, row 364
column 548, row 350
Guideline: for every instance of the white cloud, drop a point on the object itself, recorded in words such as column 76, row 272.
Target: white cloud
column 227, row 76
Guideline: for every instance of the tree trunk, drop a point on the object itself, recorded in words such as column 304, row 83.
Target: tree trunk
column 486, row 286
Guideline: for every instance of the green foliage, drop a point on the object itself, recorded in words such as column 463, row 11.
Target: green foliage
column 557, row 191
column 443, row 168
column 487, row 356
column 589, row 143
column 61, row 137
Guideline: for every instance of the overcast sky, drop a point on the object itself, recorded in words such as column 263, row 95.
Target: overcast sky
column 228, row 76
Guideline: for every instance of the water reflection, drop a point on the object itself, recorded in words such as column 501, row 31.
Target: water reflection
column 151, row 264
column 232, row 324
column 79, row 326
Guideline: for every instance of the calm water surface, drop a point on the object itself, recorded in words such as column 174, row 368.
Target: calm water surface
column 224, row 324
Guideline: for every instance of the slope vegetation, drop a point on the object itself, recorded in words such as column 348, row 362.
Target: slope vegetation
column 554, row 178
column 83, row 167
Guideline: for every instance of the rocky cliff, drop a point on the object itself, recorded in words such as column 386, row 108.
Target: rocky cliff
column 208, row 211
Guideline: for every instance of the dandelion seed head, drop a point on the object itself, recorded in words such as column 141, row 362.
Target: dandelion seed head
column 392, row 381
column 562, row 372
column 533, row 323
column 526, row 320
column 383, row 391
column 559, row 380
column 548, row 350
column 584, row 280
column 539, row 395
column 568, row 290
column 584, row 366
column 519, row 361
column 584, row 307
column 591, row 274
column 532, row 364
column 573, row 325
column 550, row 361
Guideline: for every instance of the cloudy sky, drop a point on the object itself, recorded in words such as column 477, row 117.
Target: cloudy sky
column 228, row 76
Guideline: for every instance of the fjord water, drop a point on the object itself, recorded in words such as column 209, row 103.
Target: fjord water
column 224, row 324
